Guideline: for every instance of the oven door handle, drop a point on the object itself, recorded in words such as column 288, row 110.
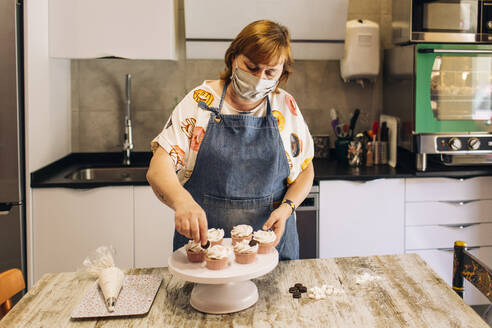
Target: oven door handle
column 454, row 51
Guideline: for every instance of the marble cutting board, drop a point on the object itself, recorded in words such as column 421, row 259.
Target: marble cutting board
column 136, row 298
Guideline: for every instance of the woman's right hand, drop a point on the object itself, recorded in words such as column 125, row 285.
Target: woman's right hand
column 190, row 221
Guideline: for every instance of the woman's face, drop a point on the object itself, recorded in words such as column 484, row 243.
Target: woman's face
column 270, row 71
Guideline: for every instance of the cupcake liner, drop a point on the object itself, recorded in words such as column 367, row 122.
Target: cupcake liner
column 216, row 264
column 195, row 257
column 244, row 258
column 265, row 248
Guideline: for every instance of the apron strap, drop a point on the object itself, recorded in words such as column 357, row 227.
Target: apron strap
column 215, row 110
column 269, row 108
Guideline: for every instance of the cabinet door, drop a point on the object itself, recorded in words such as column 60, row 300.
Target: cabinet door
column 154, row 229
column 441, row 261
column 69, row 224
column 322, row 21
column 143, row 29
column 443, row 236
column 361, row 218
column 448, row 189
column 448, row 212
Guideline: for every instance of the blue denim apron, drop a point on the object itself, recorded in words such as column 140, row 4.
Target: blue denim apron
column 240, row 172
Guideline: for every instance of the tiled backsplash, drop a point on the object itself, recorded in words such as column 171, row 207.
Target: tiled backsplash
column 98, row 91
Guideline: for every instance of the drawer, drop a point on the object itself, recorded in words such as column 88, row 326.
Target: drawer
column 440, row 236
column 442, row 263
column 431, row 189
column 448, row 212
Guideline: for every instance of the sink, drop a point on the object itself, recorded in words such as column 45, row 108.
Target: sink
column 109, row 174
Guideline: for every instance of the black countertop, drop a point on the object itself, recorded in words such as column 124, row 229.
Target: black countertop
column 55, row 174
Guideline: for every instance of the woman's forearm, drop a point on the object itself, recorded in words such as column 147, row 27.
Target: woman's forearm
column 164, row 181
column 300, row 188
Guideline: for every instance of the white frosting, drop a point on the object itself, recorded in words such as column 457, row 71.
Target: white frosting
column 243, row 247
column 324, row 291
column 193, row 247
column 215, row 234
column 218, row 252
column 265, row 237
column 242, row 230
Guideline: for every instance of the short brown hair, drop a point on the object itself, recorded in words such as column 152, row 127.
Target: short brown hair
column 262, row 41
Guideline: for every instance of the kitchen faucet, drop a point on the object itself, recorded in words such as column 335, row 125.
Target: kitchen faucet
column 128, row 142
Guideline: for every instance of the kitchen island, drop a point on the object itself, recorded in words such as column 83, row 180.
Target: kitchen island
column 377, row 291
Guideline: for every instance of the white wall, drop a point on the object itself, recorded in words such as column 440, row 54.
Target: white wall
column 47, row 96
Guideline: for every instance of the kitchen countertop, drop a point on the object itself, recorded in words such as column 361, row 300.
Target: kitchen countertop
column 54, row 175
column 378, row 291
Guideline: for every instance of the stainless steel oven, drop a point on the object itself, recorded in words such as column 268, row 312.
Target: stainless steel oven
column 442, row 95
column 458, row 21
column 307, row 225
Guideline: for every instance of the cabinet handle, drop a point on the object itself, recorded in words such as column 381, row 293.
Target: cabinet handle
column 459, row 202
column 455, row 51
column 450, row 250
column 459, row 225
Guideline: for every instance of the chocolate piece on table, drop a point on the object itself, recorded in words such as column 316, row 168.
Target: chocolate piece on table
column 207, row 245
column 303, row 289
column 293, row 289
column 298, row 285
column 252, row 242
column 296, row 294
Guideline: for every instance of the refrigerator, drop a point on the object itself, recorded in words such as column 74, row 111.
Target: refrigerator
column 12, row 156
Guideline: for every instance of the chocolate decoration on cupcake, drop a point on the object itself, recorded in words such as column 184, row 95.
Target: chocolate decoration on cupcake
column 252, row 242
column 207, row 245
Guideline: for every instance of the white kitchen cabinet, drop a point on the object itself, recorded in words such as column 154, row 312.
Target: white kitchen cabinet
column 154, row 229
column 69, row 224
column 448, row 189
column 143, row 29
column 317, row 28
column 361, row 218
column 448, row 212
column 441, row 261
column 442, row 236
column 439, row 211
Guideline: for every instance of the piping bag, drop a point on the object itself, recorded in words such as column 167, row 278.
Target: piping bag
column 110, row 277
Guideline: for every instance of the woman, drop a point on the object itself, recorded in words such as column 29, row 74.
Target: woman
column 237, row 150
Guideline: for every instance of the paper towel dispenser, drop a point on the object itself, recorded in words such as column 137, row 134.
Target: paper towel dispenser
column 361, row 60
column 317, row 27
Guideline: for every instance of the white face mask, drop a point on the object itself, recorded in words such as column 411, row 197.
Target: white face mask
column 250, row 87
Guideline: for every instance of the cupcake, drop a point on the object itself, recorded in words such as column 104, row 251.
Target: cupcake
column 245, row 251
column 215, row 236
column 217, row 257
column 265, row 239
column 241, row 232
column 194, row 251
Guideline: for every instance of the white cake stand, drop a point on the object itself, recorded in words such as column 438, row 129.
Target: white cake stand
column 222, row 291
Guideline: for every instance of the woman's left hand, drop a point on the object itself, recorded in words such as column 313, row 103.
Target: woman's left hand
column 277, row 220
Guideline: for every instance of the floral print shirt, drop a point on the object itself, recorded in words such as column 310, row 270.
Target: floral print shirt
column 185, row 128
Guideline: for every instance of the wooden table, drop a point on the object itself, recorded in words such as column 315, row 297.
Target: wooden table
column 379, row 291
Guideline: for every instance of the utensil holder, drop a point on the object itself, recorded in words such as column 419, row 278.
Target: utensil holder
column 380, row 152
column 341, row 147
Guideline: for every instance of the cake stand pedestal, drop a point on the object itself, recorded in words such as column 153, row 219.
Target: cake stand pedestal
column 222, row 291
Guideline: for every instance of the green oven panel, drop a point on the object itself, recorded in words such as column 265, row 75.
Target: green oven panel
column 425, row 115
